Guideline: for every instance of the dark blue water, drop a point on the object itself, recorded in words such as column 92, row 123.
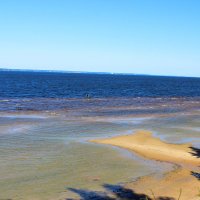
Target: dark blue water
column 71, row 85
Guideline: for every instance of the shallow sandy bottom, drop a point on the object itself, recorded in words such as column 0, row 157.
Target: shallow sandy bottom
column 182, row 180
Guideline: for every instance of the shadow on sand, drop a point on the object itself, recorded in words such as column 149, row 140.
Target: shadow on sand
column 113, row 192
column 196, row 153
column 117, row 192
column 196, row 175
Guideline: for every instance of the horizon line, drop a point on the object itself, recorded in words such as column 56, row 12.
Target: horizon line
column 91, row 72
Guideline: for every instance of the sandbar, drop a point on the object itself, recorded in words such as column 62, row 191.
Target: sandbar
column 183, row 156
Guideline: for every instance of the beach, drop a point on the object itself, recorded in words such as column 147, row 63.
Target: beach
column 100, row 100
column 181, row 181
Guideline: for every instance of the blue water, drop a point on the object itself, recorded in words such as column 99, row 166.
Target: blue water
column 19, row 84
column 46, row 122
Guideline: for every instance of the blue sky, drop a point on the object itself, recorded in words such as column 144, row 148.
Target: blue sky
column 131, row 36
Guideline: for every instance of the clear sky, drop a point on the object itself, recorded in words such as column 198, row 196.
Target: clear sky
column 131, row 36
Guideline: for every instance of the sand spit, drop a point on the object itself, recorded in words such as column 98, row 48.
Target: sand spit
column 183, row 155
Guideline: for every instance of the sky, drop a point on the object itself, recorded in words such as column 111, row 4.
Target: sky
column 160, row 37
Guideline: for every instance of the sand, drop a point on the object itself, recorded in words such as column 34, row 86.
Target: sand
column 181, row 155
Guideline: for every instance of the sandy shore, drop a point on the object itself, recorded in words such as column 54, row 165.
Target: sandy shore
column 145, row 145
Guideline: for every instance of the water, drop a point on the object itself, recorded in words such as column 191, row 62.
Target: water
column 71, row 85
column 44, row 157
column 46, row 124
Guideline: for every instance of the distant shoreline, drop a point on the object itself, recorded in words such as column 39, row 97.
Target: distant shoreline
column 90, row 72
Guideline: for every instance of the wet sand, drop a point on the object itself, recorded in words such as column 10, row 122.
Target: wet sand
column 185, row 158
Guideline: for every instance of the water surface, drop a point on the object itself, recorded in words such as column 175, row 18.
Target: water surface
column 46, row 123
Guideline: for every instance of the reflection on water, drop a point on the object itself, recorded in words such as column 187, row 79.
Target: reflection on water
column 44, row 153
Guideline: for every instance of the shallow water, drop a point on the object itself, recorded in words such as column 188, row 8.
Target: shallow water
column 41, row 159
column 41, row 156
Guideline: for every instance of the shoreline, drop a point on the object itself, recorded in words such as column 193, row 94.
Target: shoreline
column 182, row 178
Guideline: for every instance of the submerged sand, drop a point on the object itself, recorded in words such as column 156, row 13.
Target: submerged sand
column 182, row 155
